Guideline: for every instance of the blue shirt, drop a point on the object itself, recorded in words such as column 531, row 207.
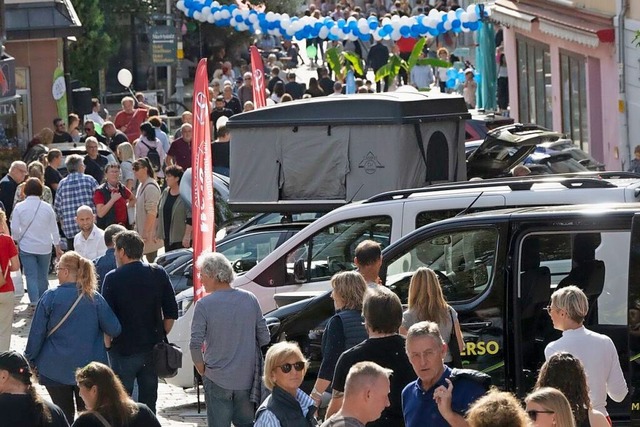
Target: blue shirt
column 420, row 409
column 78, row 341
column 105, row 264
column 75, row 190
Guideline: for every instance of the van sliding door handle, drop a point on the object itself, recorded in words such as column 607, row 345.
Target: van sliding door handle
column 476, row 325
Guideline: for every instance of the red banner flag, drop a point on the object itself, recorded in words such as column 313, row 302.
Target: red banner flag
column 259, row 86
column 201, row 175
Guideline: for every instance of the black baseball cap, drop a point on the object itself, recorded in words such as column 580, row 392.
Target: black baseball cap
column 15, row 363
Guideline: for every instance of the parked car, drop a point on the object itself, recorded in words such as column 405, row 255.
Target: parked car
column 498, row 270
column 243, row 249
column 68, row 148
column 240, row 222
column 481, row 122
column 567, row 146
column 327, row 245
column 506, row 147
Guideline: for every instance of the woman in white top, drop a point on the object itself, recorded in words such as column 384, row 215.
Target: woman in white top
column 426, row 302
column 33, row 226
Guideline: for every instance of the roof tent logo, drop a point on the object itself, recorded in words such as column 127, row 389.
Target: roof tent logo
column 370, row 163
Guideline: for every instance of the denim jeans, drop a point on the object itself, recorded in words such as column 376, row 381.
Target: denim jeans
column 226, row 406
column 137, row 367
column 36, row 271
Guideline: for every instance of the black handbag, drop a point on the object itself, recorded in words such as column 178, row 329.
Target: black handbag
column 454, row 348
column 167, row 358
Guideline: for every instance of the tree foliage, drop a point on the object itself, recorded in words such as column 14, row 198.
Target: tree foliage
column 392, row 68
column 341, row 62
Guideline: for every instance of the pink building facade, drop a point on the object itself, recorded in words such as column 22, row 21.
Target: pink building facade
column 563, row 72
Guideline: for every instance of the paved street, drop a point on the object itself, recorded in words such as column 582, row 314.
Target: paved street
column 176, row 407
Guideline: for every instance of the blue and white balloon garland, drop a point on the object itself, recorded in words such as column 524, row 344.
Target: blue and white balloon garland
column 433, row 24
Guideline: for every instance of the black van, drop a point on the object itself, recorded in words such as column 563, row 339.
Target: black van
column 498, row 270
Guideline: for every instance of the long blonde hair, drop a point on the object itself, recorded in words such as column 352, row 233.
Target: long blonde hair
column 425, row 297
column 84, row 271
column 553, row 400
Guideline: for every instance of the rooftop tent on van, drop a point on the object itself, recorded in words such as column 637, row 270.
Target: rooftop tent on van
column 324, row 152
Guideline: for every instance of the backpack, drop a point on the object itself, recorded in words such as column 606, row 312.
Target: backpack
column 153, row 156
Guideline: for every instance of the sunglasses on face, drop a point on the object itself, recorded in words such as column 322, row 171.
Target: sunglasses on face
column 534, row 414
column 286, row 368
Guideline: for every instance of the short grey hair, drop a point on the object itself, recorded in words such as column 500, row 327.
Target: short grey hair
column 425, row 329
column 364, row 374
column 90, row 140
column 215, row 266
column 73, row 163
column 186, row 126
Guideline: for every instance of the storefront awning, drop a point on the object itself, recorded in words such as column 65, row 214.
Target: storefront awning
column 572, row 24
column 41, row 19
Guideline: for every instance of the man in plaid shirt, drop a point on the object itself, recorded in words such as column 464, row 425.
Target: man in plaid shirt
column 75, row 190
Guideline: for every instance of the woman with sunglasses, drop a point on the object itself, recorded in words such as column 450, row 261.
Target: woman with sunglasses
column 287, row 405
column 68, row 331
column 565, row 372
column 147, row 199
column 497, row 409
column 548, row 407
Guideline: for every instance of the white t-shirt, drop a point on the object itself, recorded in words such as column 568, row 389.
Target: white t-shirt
column 92, row 247
column 601, row 364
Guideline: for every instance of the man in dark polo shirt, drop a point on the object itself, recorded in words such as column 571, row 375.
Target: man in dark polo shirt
column 142, row 298
column 180, row 149
column 94, row 162
column 114, row 136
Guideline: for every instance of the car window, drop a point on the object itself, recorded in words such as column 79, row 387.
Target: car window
column 246, row 251
column 464, row 262
column 332, row 249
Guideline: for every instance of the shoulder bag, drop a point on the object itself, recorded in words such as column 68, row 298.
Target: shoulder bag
column 100, row 418
column 30, row 222
column 167, row 357
column 55, row 328
column 454, row 348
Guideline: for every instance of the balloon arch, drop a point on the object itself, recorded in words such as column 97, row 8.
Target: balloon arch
column 326, row 28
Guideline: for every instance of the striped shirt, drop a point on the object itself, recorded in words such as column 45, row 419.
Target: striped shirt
column 269, row 419
column 75, row 190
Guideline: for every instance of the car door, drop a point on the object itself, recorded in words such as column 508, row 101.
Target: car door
column 468, row 258
column 633, row 298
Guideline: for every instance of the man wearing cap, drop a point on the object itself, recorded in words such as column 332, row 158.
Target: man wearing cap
column 20, row 404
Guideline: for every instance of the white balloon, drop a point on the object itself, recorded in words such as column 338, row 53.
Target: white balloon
column 285, row 23
column 211, row 19
column 197, row 15
column 125, row 77
column 224, row 14
column 395, row 18
column 290, row 31
column 234, row 13
column 433, row 13
column 376, row 36
column 206, row 11
column 180, row 5
column 386, row 21
column 335, row 31
column 363, row 26
column 270, row 16
column 471, row 8
column 215, row 4
column 323, row 33
column 451, row 15
column 447, row 25
column 464, row 17
column 431, row 22
column 285, row 16
column 217, row 15
column 395, row 35
column 253, row 18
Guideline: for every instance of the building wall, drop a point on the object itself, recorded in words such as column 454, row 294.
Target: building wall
column 634, row 9
column 602, row 106
column 606, row 7
column 632, row 85
column 41, row 58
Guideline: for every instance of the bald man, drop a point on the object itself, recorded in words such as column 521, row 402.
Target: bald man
column 89, row 242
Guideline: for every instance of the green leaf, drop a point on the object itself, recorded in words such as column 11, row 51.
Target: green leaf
column 354, row 60
column 415, row 52
column 396, row 63
column 333, row 59
column 383, row 72
column 434, row 62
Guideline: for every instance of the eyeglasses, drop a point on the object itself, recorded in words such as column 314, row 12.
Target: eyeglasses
column 550, row 308
column 286, row 368
column 534, row 414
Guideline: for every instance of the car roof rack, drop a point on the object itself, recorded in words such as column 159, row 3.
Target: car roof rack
column 571, row 180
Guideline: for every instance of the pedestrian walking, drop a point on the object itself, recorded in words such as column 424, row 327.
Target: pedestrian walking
column 174, row 214
column 344, row 330
column 68, row 330
column 439, row 397
column 142, row 298
column 9, row 183
column 89, row 242
column 568, row 308
column 284, row 369
column 112, row 199
column 548, row 407
column 147, row 198
column 107, row 401
column 366, row 396
column 368, row 259
column 107, row 262
column 34, row 228
column 229, row 323
column 9, row 261
column 36, row 170
column 382, row 312
column 20, row 402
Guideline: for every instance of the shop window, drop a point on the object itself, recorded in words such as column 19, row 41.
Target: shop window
column 574, row 99
column 534, row 82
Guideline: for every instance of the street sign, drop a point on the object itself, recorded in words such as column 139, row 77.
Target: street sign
column 164, row 42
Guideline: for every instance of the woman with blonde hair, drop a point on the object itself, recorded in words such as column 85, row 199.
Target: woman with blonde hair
column 39, row 146
column 36, row 170
column 344, row 329
column 565, row 372
column 67, row 331
column 9, row 261
column 126, row 156
column 427, row 303
column 497, row 409
column 548, row 407
column 284, row 370
column 107, row 401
